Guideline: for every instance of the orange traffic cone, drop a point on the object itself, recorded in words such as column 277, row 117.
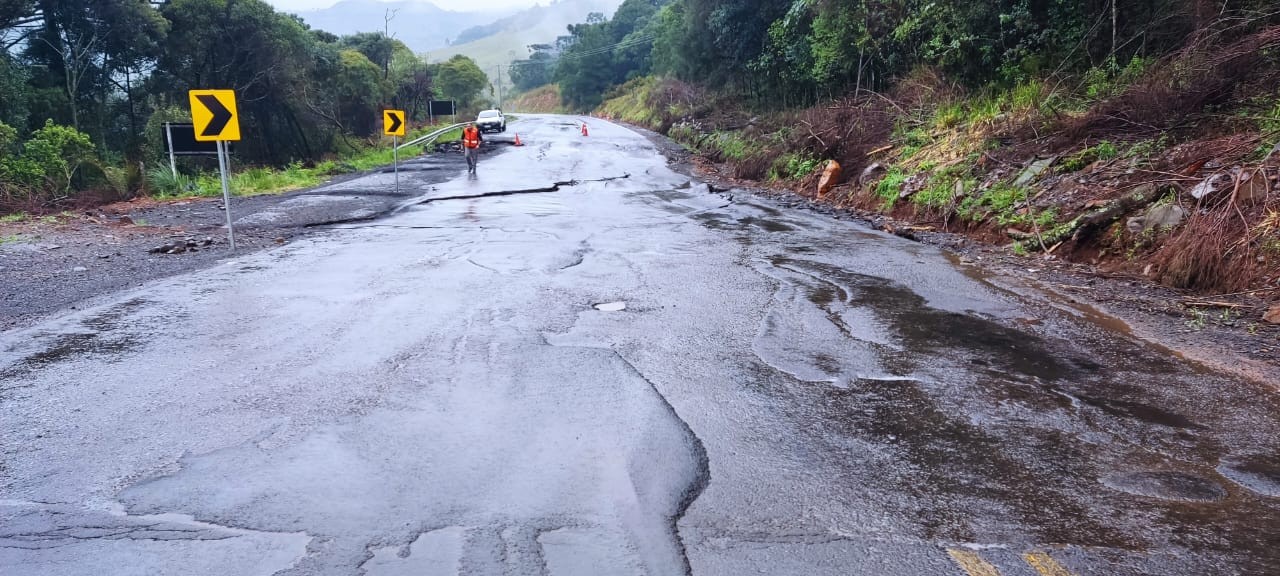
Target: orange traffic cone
column 518, row 142
column 584, row 128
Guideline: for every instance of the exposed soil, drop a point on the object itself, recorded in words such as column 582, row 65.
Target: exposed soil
column 1225, row 332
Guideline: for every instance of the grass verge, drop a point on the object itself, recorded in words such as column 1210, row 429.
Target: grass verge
column 256, row 180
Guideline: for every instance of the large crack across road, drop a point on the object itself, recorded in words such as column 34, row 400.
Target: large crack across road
column 552, row 188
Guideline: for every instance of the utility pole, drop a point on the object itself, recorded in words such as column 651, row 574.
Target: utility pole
column 387, row 17
column 499, row 80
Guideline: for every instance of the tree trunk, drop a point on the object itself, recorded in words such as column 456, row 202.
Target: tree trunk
column 1113, row 29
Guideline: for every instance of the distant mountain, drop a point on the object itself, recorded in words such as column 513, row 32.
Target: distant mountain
column 422, row 26
column 504, row 40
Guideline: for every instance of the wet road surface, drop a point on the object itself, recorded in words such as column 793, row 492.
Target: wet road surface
column 579, row 362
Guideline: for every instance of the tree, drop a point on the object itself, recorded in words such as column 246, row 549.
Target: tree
column 585, row 70
column 460, row 79
column 269, row 59
column 534, row 72
column 13, row 84
column 360, row 90
column 411, row 82
column 377, row 47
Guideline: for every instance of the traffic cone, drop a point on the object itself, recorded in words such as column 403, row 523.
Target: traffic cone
column 518, row 142
column 584, row 128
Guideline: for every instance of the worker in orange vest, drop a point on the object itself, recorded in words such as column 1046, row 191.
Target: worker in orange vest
column 471, row 145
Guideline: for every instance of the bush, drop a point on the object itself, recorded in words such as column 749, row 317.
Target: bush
column 791, row 166
column 1110, row 79
column 166, row 183
column 888, row 188
column 47, row 164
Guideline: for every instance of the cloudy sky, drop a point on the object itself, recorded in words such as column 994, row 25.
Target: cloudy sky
column 458, row 5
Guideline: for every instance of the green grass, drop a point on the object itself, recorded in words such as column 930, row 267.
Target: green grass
column 941, row 189
column 631, row 103
column 256, row 180
column 1104, row 150
column 14, row 218
column 950, row 116
column 10, row 239
column 793, row 166
column 889, row 187
column 731, row 145
column 912, row 141
column 1000, row 203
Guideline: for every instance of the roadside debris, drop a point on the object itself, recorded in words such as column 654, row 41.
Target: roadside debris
column 182, row 245
column 1273, row 315
column 830, row 176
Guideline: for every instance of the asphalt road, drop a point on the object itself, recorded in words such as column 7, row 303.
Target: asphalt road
column 579, row 362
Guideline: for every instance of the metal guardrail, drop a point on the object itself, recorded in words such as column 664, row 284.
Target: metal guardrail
column 431, row 137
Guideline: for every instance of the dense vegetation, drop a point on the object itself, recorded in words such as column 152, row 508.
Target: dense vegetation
column 802, row 51
column 1059, row 126
column 86, row 85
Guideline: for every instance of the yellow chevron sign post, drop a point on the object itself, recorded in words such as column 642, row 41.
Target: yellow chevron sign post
column 393, row 125
column 214, row 114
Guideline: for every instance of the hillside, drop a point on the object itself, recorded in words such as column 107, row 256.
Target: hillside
column 540, row 24
column 1155, row 160
column 422, row 26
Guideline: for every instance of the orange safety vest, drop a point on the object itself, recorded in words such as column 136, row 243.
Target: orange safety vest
column 471, row 137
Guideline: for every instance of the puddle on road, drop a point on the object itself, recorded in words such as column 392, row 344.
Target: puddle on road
column 1140, row 411
column 957, row 468
column 102, row 338
column 921, row 329
column 764, row 223
column 1177, row 486
column 610, row 306
column 1259, row 474
column 1080, row 309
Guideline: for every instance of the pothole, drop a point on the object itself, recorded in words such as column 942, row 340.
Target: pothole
column 610, row 306
column 1256, row 474
column 1167, row 486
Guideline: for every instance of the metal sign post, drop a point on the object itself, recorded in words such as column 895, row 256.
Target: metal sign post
column 394, row 125
column 213, row 112
column 168, row 135
column 226, row 190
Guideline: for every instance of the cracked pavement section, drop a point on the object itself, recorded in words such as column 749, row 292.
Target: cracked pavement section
column 766, row 391
column 93, row 543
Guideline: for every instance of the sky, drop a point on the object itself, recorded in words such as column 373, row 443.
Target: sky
column 456, row 5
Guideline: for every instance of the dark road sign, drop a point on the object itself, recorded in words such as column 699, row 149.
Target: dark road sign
column 443, row 108
column 214, row 115
column 180, row 140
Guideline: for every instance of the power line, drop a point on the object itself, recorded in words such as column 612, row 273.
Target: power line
column 628, row 43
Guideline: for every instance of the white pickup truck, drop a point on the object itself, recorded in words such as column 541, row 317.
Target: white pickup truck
column 491, row 121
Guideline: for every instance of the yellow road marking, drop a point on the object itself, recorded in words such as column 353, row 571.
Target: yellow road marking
column 971, row 563
column 1045, row 565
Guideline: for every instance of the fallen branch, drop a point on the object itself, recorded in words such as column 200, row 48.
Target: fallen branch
column 1214, row 304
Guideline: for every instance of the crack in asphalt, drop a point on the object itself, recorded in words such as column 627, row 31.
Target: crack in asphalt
column 395, row 210
column 552, row 188
column 579, row 255
column 702, row 477
column 479, row 265
column 702, row 474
